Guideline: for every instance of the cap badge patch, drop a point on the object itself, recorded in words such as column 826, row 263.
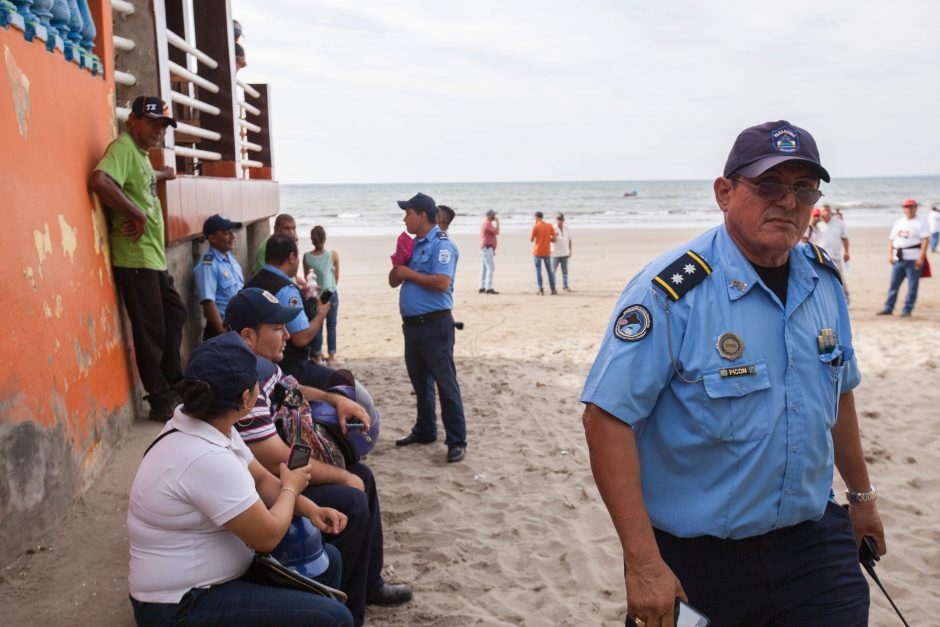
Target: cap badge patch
column 270, row 297
column 730, row 346
column 443, row 256
column 785, row 139
column 633, row 323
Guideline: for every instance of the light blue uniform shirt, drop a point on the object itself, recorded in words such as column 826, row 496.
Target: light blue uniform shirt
column 434, row 254
column 218, row 277
column 290, row 296
column 730, row 456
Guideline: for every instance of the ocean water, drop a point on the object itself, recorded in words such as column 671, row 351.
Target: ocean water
column 372, row 209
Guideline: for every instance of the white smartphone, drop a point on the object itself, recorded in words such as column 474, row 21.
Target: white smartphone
column 688, row 616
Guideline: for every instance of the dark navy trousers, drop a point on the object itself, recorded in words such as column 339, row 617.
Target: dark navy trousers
column 429, row 357
column 360, row 543
column 806, row 575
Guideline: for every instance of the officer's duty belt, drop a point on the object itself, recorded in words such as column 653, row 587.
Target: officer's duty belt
column 413, row 321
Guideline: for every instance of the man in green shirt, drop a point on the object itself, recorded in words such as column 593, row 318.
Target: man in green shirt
column 283, row 225
column 126, row 184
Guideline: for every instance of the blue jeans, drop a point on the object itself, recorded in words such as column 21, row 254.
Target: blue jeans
column 330, row 326
column 934, row 238
column 429, row 357
column 899, row 271
column 487, row 268
column 807, row 574
column 563, row 262
column 548, row 270
column 241, row 603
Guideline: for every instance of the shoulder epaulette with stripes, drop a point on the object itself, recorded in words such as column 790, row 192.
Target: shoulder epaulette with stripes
column 207, row 259
column 682, row 275
column 820, row 256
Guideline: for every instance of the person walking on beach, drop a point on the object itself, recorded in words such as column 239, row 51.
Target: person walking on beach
column 325, row 266
column 712, row 441
column 832, row 235
column 218, row 275
column 542, row 237
column 933, row 225
column 489, row 232
column 284, row 224
column 425, row 302
column 561, row 249
column 126, row 184
column 907, row 254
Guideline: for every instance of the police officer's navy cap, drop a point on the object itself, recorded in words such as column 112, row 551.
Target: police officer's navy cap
column 218, row 223
column 152, row 107
column 227, row 364
column 253, row 306
column 759, row 148
column 421, row 203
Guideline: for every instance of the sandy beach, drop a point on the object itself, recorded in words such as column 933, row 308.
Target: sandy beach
column 517, row 534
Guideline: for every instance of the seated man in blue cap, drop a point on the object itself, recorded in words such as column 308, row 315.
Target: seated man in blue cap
column 218, row 275
column 262, row 322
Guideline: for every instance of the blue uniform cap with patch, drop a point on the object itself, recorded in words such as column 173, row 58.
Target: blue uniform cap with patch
column 227, row 364
column 253, row 306
column 759, row 148
column 218, row 223
column 421, row 203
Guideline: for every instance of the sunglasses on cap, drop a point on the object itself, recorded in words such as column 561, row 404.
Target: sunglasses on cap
column 776, row 191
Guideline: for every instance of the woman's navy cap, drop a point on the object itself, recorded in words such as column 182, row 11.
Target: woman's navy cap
column 421, row 203
column 759, row 148
column 253, row 306
column 227, row 364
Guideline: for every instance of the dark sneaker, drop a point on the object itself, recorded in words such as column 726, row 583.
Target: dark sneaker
column 554, row 292
column 456, row 454
column 883, row 312
column 411, row 438
column 482, row 290
column 389, row 594
column 905, row 314
column 491, row 291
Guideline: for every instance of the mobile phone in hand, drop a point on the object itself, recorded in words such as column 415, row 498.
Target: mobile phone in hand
column 326, row 296
column 688, row 616
column 299, row 456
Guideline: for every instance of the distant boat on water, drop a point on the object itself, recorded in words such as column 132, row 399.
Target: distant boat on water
column 631, row 194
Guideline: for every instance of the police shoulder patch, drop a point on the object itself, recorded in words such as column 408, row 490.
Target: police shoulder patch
column 633, row 323
column 443, row 256
column 682, row 275
column 294, row 301
column 207, row 259
column 820, row 256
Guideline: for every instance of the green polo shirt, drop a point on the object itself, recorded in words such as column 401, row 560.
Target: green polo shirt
column 130, row 167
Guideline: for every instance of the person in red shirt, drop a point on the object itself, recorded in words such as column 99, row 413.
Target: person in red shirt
column 543, row 234
column 488, row 232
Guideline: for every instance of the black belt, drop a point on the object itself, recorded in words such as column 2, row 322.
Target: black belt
column 413, row 321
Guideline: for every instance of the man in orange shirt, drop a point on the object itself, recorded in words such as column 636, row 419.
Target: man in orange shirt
column 543, row 234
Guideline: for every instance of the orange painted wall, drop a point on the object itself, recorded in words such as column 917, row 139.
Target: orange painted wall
column 64, row 363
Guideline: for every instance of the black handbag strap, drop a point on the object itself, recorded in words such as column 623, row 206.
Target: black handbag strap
column 159, row 437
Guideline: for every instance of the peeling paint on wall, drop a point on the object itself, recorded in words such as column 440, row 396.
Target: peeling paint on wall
column 19, row 87
column 69, row 238
column 28, row 273
column 43, row 245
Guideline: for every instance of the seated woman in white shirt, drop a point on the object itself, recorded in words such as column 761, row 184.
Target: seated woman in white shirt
column 201, row 505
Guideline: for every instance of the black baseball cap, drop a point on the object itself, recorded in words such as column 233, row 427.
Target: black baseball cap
column 227, row 364
column 218, row 223
column 421, row 203
column 152, row 107
column 759, row 148
column 253, row 306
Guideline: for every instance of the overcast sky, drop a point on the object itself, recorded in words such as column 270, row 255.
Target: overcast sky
column 538, row 90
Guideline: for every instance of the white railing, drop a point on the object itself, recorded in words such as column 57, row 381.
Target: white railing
column 122, row 113
column 123, row 7
column 123, row 43
column 181, row 44
column 249, row 108
column 254, row 128
column 248, row 163
column 250, row 145
column 196, row 131
column 251, row 91
column 180, row 72
column 193, row 153
column 125, row 78
column 182, row 99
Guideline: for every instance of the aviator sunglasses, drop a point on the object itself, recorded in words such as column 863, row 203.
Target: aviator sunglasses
column 775, row 191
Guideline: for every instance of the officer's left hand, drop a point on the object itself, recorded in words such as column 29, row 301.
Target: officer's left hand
column 400, row 273
column 346, row 409
column 867, row 522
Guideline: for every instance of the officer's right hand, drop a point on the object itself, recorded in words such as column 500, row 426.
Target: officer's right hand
column 652, row 589
column 323, row 308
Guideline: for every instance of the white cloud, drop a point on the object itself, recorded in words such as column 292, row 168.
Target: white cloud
column 524, row 90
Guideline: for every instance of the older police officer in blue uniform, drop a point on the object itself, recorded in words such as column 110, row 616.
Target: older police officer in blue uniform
column 218, row 276
column 425, row 303
column 719, row 401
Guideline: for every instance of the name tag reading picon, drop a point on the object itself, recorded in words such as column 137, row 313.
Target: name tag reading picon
column 740, row 371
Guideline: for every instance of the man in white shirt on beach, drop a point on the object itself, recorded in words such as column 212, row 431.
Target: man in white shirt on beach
column 907, row 255
column 933, row 222
column 831, row 234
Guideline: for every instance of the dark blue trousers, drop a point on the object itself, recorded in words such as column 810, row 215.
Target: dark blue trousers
column 360, row 543
column 429, row 357
column 806, row 575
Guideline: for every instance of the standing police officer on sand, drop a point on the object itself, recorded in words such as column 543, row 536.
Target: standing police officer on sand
column 718, row 402
column 425, row 303
column 218, row 275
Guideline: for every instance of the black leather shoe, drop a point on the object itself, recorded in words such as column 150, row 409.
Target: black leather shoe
column 389, row 594
column 492, row 292
column 482, row 290
column 456, row 454
column 411, row 438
